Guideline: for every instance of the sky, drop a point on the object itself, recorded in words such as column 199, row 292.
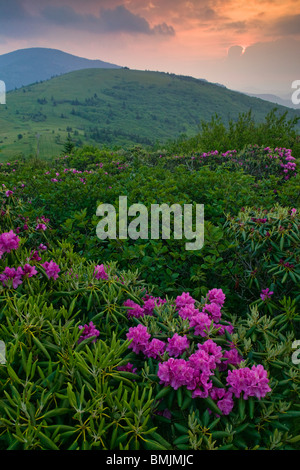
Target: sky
column 251, row 46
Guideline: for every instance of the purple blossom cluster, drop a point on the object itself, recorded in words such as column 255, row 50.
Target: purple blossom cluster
column 88, row 331
column 8, row 241
column 193, row 366
column 210, row 314
column 251, row 382
column 149, row 304
column 51, row 268
column 100, row 272
column 128, row 368
column 14, row 277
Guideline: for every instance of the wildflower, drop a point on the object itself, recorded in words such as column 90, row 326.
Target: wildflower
column 201, row 322
column 221, row 328
column 177, row 345
column 100, row 272
column 251, row 382
column 140, row 338
column 232, row 357
column 9, row 241
column 224, row 399
column 188, row 311
column 175, row 372
column 184, row 299
column 41, row 227
column 29, row 270
column 214, row 311
column 214, row 352
column 216, row 296
column 127, row 368
column 12, row 274
column 34, row 255
column 52, row 269
column 266, row 294
column 88, row 331
column 134, row 310
column 155, row 348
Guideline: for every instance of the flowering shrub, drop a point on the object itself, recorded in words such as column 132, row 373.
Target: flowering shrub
column 265, row 253
column 258, row 161
column 186, row 361
column 96, row 358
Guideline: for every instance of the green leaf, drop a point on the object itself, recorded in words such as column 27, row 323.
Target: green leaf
column 212, row 406
column 181, row 440
column 153, row 445
column 242, row 405
column 41, row 347
column 47, row 442
column 162, row 393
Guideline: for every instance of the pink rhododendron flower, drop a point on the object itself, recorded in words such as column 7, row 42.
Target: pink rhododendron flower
column 29, row 270
column 249, row 382
column 216, row 296
column 52, row 269
column 88, row 331
column 213, row 350
column 266, row 294
column 214, row 311
column 41, row 227
column 177, row 345
column 140, row 338
column 175, row 372
column 100, row 272
column 34, row 255
column 188, row 311
column 223, row 398
column 184, row 299
column 12, row 274
column 221, row 328
column 134, row 310
column 9, row 241
column 127, row 368
column 201, row 322
column 155, row 348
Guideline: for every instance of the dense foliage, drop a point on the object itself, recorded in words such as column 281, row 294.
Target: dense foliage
column 129, row 344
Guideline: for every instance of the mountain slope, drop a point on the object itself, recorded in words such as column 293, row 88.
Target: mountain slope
column 26, row 66
column 115, row 107
column 276, row 100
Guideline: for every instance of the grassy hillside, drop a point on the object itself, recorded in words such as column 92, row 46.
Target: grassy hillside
column 114, row 107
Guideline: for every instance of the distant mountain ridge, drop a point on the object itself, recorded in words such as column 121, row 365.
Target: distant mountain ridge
column 26, row 66
column 287, row 102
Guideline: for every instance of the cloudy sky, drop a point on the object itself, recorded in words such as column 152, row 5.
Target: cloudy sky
column 246, row 45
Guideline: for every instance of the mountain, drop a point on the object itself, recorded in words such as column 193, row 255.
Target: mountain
column 26, row 66
column 115, row 107
column 283, row 101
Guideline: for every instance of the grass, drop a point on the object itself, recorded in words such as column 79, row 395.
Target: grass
column 114, row 107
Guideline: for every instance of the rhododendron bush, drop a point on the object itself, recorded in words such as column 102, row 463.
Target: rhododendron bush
column 197, row 356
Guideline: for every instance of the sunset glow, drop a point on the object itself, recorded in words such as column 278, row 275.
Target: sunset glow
column 244, row 45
